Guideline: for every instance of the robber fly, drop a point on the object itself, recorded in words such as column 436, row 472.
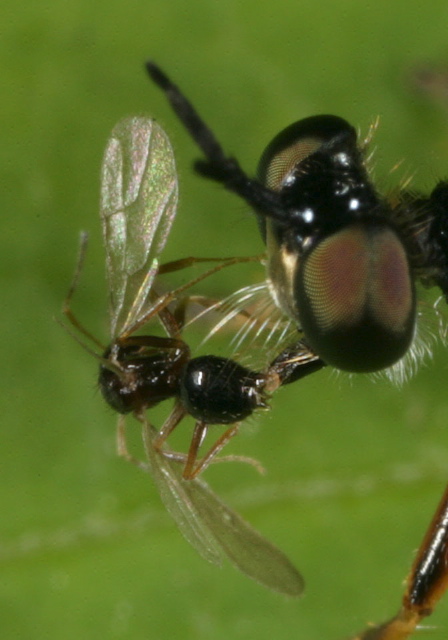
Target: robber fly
column 342, row 265
column 342, row 259
column 138, row 206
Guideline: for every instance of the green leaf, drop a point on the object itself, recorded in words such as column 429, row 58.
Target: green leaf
column 355, row 467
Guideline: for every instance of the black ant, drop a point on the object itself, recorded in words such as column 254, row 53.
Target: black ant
column 138, row 206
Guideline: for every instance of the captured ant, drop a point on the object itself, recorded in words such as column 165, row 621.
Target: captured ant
column 138, row 207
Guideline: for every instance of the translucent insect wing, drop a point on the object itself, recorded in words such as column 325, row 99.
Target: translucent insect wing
column 139, row 194
column 167, row 476
column 250, row 552
column 215, row 530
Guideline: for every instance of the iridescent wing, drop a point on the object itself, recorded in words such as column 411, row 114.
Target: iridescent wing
column 215, row 530
column 138, row 204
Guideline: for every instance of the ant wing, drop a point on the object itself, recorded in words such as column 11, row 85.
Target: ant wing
column 215, row 530
column 173, row 492
column 139, row 193
column 243, row 545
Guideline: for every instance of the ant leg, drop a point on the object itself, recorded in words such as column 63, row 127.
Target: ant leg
column 193, row 467
column 182, row 458
column 122, row 447
column 66, row 305
column 208, row 304
column 252, row 462
column 157, row 342
column 199, row 433
column 172, row 322
column 162, row 301
column 176, row 416
column 185, row 263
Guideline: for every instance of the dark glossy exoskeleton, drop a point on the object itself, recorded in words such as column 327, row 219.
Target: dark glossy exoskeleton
column 150, row 371
column 138, row 206
column 425, row 585
column 341, row 270
column 342, row 259
column 154, row 369
column 139, row 372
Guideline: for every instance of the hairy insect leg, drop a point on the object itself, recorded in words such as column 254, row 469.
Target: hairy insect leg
column 426, row 583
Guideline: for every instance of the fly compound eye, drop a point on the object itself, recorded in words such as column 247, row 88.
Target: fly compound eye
column 356, row 298
column 296, row 143
column 281, row 165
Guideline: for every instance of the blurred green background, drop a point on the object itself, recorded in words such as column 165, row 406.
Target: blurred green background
column 355, row 467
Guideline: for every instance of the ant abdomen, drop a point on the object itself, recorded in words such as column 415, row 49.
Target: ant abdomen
column 220, row 391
